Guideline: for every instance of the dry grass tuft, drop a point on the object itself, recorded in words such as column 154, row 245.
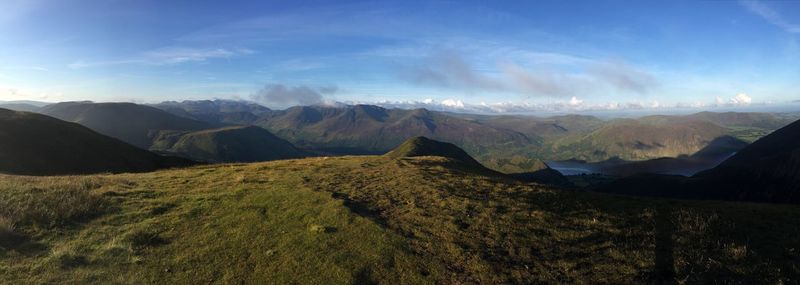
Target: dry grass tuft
column 51, row 202
column 7, row 227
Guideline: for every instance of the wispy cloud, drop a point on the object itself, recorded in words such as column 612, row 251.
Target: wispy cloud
column 772, row 16
column 175, row 55
column 623, row 76
column 29, row 68
column 86, row 64
column 451, row 70
column 539, row 83
column 301, row 64
column 8, row 93
column 169, row 56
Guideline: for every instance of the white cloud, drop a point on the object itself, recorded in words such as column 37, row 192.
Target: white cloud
column 574, row 105
column 741, row 99
column 574, row 101
column 453, row 103
column 655, row 105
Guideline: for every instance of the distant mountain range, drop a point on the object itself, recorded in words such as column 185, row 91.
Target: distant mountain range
column 35, row 144
column 511, row 144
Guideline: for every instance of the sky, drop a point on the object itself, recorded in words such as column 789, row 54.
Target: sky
column 495, row 57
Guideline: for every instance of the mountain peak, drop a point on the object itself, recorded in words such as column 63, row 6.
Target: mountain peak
column 422, row 146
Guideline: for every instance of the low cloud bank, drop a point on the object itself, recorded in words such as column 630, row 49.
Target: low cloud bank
column 574, row 104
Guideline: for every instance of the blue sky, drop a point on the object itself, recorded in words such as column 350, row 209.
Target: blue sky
column 501, row 56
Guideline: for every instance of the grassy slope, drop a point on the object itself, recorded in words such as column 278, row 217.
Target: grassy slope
column 360, row 219
column 36, row 144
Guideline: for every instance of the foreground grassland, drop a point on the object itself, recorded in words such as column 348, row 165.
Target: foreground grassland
column 374, row 220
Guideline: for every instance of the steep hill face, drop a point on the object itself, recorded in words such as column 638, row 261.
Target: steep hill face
column 230, row 144
column 370, row 129
column 35, row 144
column 422, row 146
column 766, row 170
column 131, row 123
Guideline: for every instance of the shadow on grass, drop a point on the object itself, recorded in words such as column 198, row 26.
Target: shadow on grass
column 360, row 208
column 364, row 277
column 664, row 259
column 21, row 244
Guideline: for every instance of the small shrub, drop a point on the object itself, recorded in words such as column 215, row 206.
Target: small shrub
column 7, row 227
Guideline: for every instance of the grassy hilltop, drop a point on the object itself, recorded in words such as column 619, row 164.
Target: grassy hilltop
column 374, row 219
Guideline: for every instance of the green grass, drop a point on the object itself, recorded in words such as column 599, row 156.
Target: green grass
column 376, row 220
column 748, row 134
